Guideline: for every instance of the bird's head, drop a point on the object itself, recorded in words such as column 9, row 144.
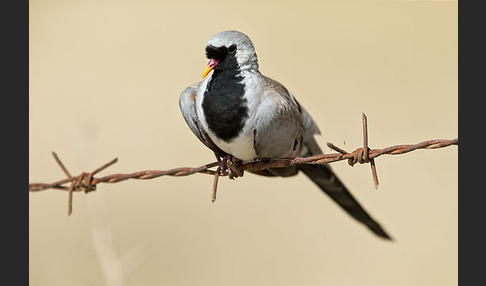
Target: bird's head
column 230, row 50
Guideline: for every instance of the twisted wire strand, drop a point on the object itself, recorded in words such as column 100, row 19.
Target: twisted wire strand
column 82, row 182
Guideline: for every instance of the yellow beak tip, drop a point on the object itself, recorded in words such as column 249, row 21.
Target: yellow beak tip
column 206, row 71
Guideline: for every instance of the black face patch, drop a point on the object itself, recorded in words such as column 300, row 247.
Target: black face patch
column 218, row 53
column 224, row 105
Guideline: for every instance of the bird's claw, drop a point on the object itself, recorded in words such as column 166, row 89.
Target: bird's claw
column 229, row 166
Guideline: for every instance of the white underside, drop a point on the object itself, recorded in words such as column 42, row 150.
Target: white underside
column 240, row 147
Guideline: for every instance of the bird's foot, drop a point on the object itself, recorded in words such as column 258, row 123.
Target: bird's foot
column 229, row 166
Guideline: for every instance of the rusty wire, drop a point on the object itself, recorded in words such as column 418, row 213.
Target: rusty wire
column 87, row 182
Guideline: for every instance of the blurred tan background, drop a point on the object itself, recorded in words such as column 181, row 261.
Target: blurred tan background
column 105, row 78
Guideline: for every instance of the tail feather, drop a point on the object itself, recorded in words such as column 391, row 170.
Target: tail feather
column 324, row 177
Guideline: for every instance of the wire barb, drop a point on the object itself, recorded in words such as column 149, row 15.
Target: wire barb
column 87, row 182
column 367, row 153
column 215, row 183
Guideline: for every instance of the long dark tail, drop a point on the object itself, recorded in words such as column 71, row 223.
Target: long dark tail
column 325, row 178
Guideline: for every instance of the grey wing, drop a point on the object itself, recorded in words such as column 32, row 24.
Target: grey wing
column 278, row 128
column 309, row 144
column 278, row 99
column 187, row 104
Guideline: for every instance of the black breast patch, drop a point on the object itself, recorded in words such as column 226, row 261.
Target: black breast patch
column 224, row 105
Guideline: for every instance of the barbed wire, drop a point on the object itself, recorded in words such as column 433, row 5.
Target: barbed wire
column 87, row 182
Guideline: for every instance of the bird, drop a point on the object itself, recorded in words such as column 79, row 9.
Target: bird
column 243, row 116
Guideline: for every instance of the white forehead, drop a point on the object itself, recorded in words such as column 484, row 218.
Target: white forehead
column 227, row 38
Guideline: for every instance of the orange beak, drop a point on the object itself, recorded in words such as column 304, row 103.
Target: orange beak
column 209, row 67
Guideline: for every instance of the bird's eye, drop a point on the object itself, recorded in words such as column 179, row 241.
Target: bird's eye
column 232, row 49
